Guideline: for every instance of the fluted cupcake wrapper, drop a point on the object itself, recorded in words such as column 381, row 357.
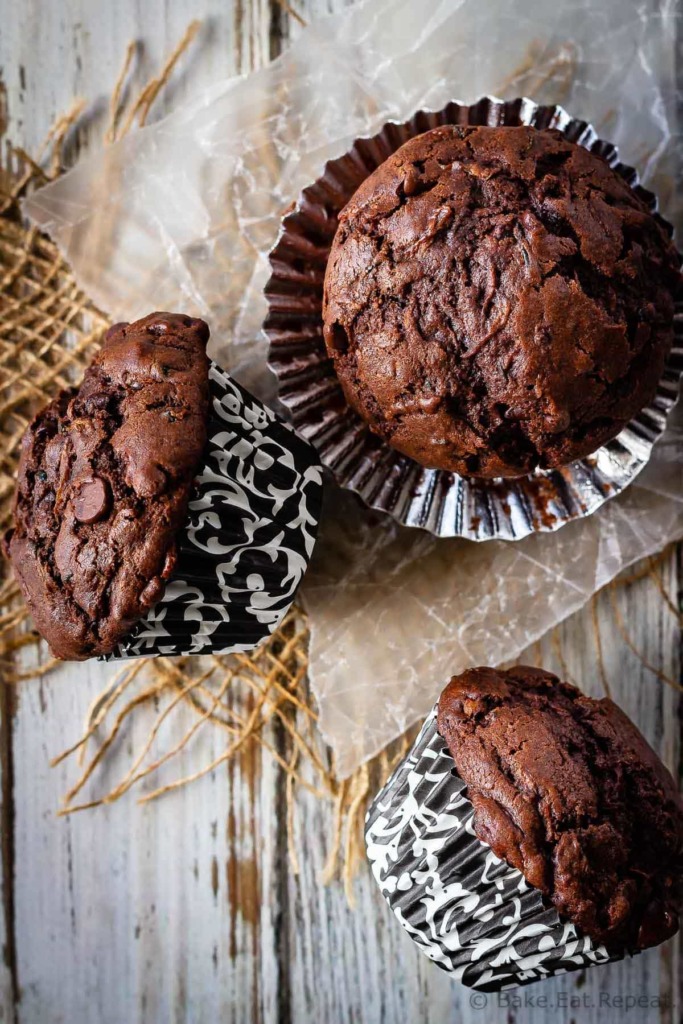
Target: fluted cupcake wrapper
column 443, row 503
column 467, row 910
column 248, row 538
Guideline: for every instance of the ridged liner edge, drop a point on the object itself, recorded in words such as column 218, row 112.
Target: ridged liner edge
column 442, row 503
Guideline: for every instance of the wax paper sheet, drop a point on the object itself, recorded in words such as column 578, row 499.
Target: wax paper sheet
column 182, row 215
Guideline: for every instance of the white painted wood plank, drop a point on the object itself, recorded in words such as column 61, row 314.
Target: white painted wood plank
column 358, row 965
column 132, row 913
column 655, row 708
column 164, row 912
column 157, row 913
column 373, row 971
column 7, row 951
column 52, row 53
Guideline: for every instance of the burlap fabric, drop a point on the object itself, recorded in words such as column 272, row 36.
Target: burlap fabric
column 49, row 331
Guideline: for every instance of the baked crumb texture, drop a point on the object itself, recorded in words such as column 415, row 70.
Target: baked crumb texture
column 498, row 299
column 104, row 483
column 566, row 790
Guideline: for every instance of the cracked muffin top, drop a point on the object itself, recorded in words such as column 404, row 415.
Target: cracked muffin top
column 104, row 483
column 498, row 299
column 566, row 790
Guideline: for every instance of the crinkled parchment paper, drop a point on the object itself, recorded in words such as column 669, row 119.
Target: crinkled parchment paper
column 181, row 215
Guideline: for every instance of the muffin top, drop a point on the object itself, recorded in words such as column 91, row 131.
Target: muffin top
column 498, row 299
column 566, row 790
column 104, row 482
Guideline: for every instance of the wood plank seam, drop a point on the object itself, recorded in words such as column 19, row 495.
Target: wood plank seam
column 282, row 869
column 7, row 843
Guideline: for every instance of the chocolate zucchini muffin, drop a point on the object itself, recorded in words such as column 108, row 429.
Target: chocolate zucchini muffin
column 498, row 299
column 566, row 790
column 104, row 483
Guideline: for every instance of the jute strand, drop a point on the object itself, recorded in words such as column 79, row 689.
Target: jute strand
column 598, row 646
column 49, row 331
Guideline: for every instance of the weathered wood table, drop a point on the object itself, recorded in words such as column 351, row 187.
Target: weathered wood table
column 187, row 909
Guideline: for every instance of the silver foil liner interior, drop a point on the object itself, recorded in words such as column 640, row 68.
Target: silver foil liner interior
column 248, row 538
column 467, row 910
column 442, row 503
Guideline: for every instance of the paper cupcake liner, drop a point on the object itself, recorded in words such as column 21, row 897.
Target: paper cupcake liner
column 442, row 503
column 467, row 910
column 248, row 538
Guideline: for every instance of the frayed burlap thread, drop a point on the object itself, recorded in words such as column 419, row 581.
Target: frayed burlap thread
column 49, row 332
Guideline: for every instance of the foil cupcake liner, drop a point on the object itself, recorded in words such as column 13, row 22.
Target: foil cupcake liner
column 467, row 910
column 248, row 538
column 442, row 503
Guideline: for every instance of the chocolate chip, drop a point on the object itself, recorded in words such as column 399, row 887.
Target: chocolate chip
column 338, row 339
column 91, row 500
column 411, row 181
column 151, row 593
column 169, row 563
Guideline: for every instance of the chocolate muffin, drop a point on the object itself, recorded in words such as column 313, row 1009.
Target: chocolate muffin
column 566, row 790
column 498, row 299
column 104, row 482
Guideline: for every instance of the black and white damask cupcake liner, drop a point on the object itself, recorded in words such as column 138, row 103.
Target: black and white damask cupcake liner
column 469, row 911
column 248, row 538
